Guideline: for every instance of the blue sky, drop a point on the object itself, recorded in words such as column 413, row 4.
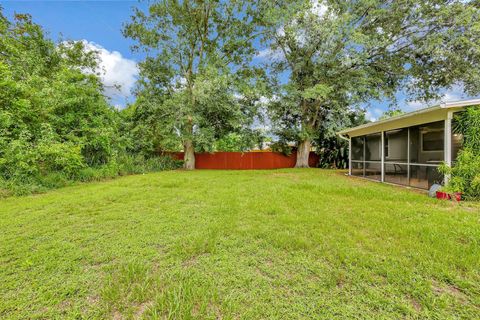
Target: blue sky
column 99, row 23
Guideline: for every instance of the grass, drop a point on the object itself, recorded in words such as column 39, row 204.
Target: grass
column 285, row 244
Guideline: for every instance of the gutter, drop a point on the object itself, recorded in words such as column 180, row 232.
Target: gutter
column 463, row 103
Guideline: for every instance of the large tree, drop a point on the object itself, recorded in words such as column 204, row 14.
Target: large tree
column 340, row 54
column 196, row 76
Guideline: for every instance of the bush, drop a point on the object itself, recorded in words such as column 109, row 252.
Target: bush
column 45, row 180
column 98, row 173
column 465, row 174
column 136, row 164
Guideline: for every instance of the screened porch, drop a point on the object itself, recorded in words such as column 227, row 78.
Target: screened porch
column 406, row 156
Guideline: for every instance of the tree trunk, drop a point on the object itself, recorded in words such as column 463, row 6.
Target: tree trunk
column 303, row 152
column 189, row 155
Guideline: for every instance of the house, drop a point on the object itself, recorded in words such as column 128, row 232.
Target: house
column 407, row 149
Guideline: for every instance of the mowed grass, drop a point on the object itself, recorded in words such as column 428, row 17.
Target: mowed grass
column 282, row 244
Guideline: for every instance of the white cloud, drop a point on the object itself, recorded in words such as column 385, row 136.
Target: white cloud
column 269, row 54
column 373, row 114
column 455, row 93
column 413, row 105
column 118, row 74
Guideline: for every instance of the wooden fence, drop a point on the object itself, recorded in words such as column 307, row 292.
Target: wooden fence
column 246, row 160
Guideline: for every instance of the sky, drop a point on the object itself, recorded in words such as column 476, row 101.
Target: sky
column 99, row 24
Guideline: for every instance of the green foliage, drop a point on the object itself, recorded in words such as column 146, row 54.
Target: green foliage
column 56, row 126
column 332, row 149
column 465, row 173
column 468, row 125
column 239, row 142
column 282, row 147
column 136, row 164
column 125, row 164
column 333, row 153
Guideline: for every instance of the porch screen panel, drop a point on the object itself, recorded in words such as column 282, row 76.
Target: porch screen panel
column 373, row 170
column 427, row 143
column 373, row 147
column 357, row 169
column 358, row 156
column 373, row 156
column 396, row 146
column 396, row 173
column 424, row 177
column 396, row 156
column 357, row 148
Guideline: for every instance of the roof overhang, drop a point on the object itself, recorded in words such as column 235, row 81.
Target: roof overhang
column 422, row 116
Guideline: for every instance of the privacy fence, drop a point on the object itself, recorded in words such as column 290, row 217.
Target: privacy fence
column 246, row 160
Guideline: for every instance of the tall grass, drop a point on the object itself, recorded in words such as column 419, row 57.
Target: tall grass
column 125, row 164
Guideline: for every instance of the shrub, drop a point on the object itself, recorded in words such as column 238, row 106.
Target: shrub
column 465, row 174
column 44, row 180
column 136, row 164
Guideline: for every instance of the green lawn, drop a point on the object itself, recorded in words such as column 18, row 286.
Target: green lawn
column 284, row 244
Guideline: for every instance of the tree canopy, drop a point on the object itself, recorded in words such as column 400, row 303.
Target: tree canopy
column 196, row 82
column 340, row 54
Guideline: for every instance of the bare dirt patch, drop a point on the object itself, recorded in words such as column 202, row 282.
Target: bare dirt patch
column 142, row 308
column 451, row 290
column 417, row 306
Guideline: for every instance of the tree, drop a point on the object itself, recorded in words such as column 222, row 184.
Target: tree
column 196, row 76
column 339, row 54
column 53, row 115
